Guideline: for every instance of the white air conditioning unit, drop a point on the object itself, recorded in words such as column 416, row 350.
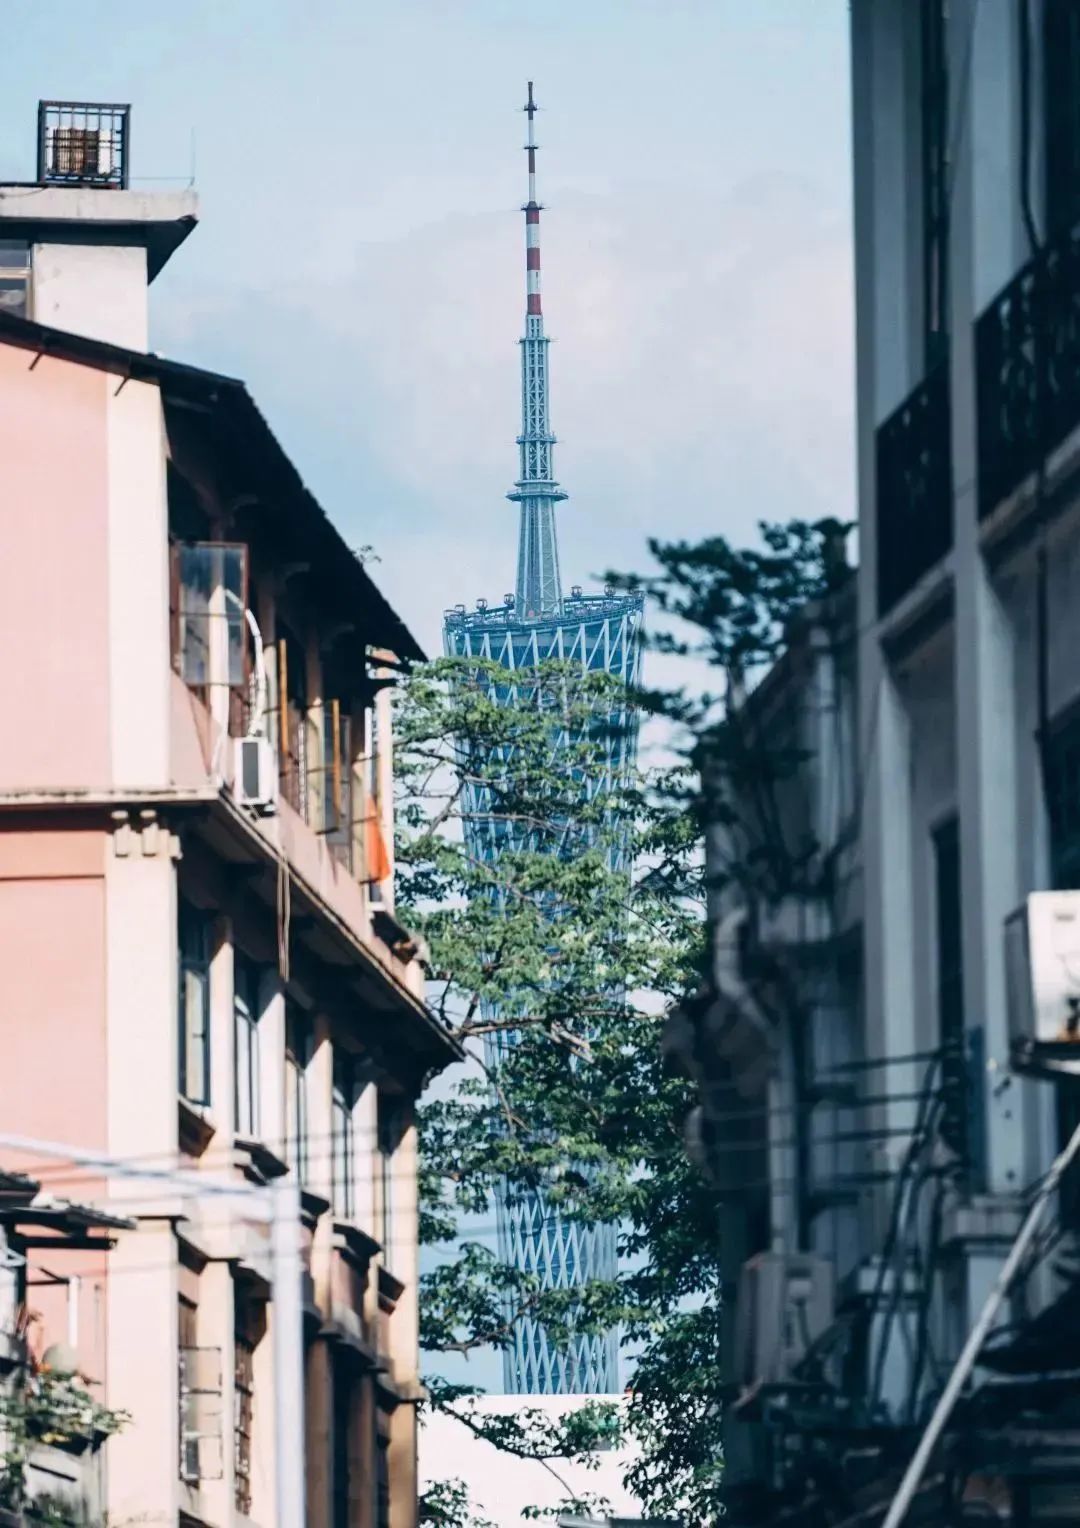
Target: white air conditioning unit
column 1042, row 971
column 255, row 774
column 785, row 1304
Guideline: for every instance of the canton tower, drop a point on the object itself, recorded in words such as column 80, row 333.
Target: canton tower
column 601, row 632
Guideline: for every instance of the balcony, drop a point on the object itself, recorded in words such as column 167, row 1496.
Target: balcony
column 914, row 488
column 1027, row 357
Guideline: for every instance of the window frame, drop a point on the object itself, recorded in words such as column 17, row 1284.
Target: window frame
column 298, row 1048
column 17, row 277
column 193, row 967
column 246, row 1022
column 343, row 1097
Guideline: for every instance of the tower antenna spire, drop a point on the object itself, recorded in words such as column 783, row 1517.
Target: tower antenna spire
column 539, row 590
column 532, row 217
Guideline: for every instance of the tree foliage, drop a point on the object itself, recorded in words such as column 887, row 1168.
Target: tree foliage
column 554, row 962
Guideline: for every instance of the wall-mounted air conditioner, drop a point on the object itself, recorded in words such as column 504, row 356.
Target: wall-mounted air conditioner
column 1042, row 972
column 255, row 774
column 785, row 1304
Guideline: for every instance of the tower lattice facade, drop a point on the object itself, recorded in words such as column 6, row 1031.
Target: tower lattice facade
column 601, row 632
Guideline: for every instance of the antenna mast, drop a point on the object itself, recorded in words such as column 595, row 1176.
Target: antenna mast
column 539, row 590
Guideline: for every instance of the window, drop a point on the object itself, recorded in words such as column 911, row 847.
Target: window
column 390, row 1130
column 209, row 601
column 950, row 985
column 243, row 1392
column 200, row 1402
column 382, row 1479
column 1061, row 97
column 297, row 1057
column 246, row 1116
column 194, row 1005
column 376, row 858
column 295, row 752
column 343, row 1102
column 15, row 277
column 934, row 121
column 342, row 1426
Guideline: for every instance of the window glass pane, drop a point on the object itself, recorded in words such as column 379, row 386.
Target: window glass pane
column 246, row 1033
column 13, row 295
column 297, row 1056
column 344, row 1151
column 194, row 1004
column 212, row 590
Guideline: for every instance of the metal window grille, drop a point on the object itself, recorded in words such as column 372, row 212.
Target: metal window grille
column 193, row 938
column 83, row 143
column 200, row 1397
column 243, row 1411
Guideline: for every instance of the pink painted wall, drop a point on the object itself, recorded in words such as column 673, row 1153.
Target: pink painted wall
column 52, row 985
column 54, row 682
column 52, row 1039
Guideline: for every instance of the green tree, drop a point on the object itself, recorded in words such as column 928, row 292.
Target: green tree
column 587, row 926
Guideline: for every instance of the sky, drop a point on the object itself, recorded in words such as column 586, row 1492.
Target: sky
column 359, row 260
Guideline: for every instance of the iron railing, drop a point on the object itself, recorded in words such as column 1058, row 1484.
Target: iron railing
column 83, row 143
column 914, row 488
column 1027, row 354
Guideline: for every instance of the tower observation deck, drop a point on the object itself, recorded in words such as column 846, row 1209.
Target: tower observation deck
column 600, row 631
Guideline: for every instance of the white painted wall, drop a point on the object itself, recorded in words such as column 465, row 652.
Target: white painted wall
column 138, row 586
column 99, row 290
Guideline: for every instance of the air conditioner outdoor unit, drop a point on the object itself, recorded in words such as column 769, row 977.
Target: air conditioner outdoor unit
column 1042, row 972
column 255, row 774
column 785, row 1304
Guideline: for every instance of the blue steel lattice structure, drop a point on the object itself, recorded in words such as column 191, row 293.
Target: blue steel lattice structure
column 601, row 632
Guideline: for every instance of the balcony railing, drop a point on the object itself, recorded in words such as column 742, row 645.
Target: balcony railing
column 914, row 488
column 1027, row 352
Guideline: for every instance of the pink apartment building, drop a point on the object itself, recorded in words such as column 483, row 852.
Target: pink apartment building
column 200, row 965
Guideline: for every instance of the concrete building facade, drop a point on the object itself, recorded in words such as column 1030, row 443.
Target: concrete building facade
column 958, row 735
column 200, row 966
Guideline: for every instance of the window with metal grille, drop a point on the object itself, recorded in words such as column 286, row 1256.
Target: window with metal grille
column 343, row 1103
column 297, row 1058
column 246, row 1112
column 199, row 1396
column 194, row 944
column 243, row 1411
column 934, row 135
column 15, row 277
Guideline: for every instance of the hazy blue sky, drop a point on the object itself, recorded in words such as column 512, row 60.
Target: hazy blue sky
column 359, row 260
